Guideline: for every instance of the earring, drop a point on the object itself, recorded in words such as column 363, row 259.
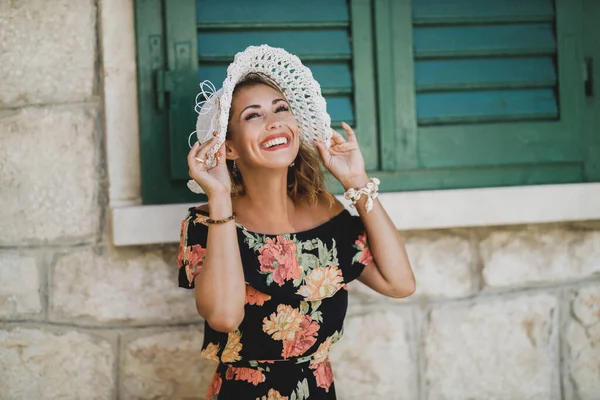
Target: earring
column 235, row 170
column 292, row 164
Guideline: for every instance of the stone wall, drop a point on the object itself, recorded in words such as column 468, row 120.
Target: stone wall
column 500, row 313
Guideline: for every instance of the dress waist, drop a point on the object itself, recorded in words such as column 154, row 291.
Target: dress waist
column 312, row 359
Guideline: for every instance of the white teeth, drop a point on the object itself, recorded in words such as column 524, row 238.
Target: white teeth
column 275, row 142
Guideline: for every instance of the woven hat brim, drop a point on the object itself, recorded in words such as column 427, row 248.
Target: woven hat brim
column 293, row 78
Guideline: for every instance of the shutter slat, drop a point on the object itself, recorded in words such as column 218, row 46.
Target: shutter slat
column 469, row 74
column 473, row 41
column 481, row 11
column 340, row 109
column 228, row 26
column 209, row 11
column 315, row 43
column 485, row 106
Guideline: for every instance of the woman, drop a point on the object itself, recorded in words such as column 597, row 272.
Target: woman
column 271, row 253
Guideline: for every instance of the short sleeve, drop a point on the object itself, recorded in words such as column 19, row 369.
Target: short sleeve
column 192, row 247
column 356, row 246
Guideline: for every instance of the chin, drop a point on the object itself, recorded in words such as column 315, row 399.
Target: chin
column 281, row 159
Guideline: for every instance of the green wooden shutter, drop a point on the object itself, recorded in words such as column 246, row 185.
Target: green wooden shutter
column 167, row 71
column 327, row 36
column 485, row 93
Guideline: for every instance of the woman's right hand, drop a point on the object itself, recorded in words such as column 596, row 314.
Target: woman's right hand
column 214, row 180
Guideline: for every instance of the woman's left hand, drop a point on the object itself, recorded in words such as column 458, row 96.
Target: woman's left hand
column 344, row 159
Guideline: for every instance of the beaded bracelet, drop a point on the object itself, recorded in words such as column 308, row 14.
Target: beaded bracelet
column 370, row 190
column 220, row 221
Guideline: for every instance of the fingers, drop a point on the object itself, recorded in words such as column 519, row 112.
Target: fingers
column 344, row 147
column 220, row 154
column 198, row 152
column 192, row 154
column 337, row 138
column 349, row 132
column 325, row 156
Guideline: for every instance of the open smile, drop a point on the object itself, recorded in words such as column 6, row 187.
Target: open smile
column 276, row 141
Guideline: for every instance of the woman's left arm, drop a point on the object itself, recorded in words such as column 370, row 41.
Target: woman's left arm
column 390, row 272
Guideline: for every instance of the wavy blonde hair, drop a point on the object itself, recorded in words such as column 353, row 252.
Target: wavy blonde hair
column 305, row 179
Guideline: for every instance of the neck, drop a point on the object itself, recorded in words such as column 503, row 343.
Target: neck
column 266, row 196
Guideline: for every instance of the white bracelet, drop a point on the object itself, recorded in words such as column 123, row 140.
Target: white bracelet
column 370, row 190
column 194, row 187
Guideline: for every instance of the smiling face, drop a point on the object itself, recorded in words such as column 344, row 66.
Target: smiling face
column 262, row 129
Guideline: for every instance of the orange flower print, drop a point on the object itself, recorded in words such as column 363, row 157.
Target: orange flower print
column 211, row 352
column 215, row 387
column 304, row 339
column 284, row 324
column 200, row 219
column 255, row 297
column 273, row 395
column 322, row 282
column 231, row 353
column 195, row 256
column 364, row 256
column 322, row 352
column 279, row 257
column 250, row 375
column 323, row 374
column 182, row 243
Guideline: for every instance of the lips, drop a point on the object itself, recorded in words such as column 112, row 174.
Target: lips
column 276, row 141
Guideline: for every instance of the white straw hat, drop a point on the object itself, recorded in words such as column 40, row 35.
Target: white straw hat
column 295, row 81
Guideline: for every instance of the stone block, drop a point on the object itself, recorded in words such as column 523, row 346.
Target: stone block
column 48, row 175
column 165, row 365
column 539, row 255
column 19, row 286
column 376, row 357
column 47, row 51
column 128, row 286
column 497, row 349
column 582, row 378
column 41, row 364
column 443, row 266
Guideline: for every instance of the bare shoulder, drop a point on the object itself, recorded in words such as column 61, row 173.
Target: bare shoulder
column 324, row 210
column 334, row 208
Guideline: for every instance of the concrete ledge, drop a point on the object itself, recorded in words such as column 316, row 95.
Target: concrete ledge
column 431, row 209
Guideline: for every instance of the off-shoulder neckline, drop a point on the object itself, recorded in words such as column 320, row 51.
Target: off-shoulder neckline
column 302, row 232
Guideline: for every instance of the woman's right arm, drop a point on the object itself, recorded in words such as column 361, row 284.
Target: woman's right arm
column 220, row 288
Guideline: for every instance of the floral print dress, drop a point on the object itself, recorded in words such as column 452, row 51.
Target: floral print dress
column 296, row 301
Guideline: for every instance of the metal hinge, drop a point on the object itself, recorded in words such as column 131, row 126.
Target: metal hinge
column 163, row 84
column 162, row 79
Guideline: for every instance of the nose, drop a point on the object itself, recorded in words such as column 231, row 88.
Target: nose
column 273, row 122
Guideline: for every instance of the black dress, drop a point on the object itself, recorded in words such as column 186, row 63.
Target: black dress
column 296, row 301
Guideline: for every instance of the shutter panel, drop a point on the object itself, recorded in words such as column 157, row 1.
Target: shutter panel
column 168, row 72
column 497, row 85
column 479, row 93
column 166, row 66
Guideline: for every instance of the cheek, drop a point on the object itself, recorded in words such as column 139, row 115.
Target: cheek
column 292, row 123
column 246, row 131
